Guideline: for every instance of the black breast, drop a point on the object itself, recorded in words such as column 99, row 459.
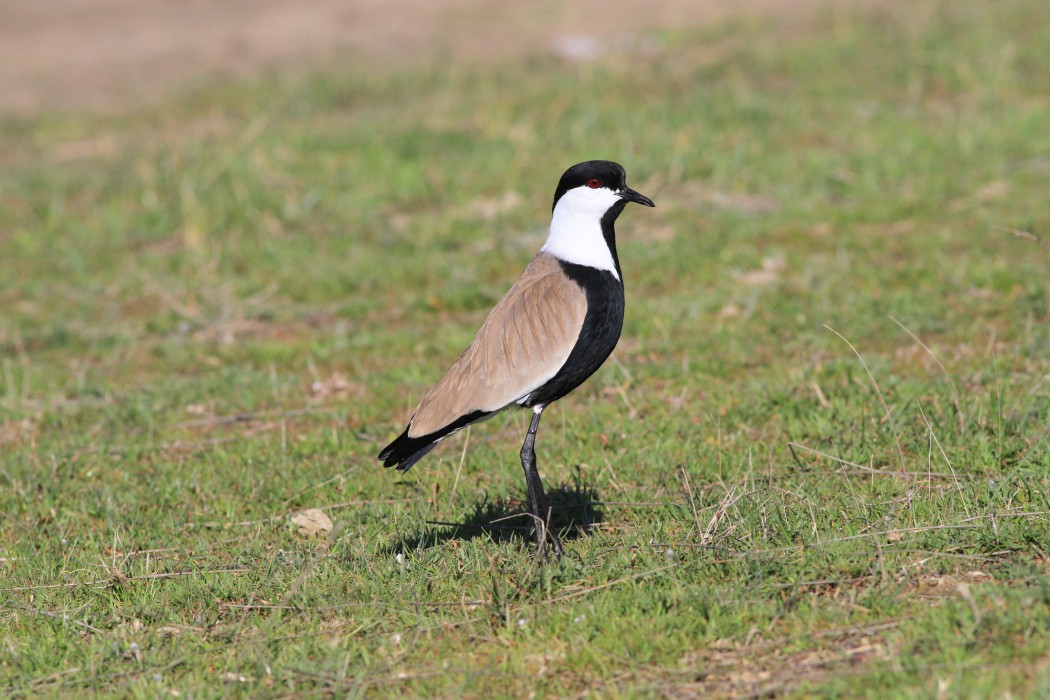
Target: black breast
column 601, row 331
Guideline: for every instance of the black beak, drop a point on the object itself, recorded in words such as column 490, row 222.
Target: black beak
column 637, row 197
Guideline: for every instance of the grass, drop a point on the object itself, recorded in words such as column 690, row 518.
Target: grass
column 817, row 464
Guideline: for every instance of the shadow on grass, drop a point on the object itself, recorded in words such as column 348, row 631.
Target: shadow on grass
column 574, row 510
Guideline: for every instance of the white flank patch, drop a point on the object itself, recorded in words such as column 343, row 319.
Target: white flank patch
column 576, row 228
column 528, row 395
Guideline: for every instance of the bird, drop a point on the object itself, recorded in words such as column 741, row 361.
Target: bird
column 552, row 330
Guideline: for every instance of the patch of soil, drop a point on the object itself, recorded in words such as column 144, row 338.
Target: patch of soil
column 106, row 55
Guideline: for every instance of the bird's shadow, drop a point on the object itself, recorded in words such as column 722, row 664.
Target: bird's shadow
column 575, row 509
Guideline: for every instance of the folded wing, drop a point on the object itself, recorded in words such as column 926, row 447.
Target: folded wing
column 524, row 341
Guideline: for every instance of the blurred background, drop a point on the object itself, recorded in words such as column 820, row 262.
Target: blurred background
column 111, row 53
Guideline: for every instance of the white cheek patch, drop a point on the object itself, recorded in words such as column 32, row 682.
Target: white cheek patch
column 576, row 228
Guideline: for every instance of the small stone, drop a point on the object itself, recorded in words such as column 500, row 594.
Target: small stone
column 313, row 522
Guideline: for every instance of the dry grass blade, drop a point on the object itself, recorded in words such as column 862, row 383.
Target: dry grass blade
column 882, row 399
column 110, row 581
column 1019, row 233
column 955, row 389
column 873, row 470
column 944, row 455
column 692, row 499
column 724, row 505
column 459, row 467
column 610, row 584
column 64, row 617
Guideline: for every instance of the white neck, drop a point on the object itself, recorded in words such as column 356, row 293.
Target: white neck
column 576, row 229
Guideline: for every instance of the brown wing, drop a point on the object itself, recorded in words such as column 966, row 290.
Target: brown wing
column 524, row 342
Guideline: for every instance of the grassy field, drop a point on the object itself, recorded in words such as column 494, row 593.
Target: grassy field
column 816, row 465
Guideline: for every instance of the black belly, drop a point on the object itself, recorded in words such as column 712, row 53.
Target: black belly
column 601, row 331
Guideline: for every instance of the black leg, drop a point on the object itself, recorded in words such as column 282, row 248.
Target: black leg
column 537, row 499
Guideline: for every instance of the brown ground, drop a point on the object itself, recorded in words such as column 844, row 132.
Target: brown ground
column 109, row 54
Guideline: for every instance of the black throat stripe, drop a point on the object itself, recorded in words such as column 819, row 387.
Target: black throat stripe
column 609, row 232
column 599, row 335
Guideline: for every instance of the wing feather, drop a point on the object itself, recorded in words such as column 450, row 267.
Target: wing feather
column 525, row 340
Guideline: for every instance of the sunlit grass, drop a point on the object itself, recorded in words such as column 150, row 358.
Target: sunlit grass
column 817, row 463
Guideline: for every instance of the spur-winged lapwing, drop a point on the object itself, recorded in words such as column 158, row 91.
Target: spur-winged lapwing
column 552, row 330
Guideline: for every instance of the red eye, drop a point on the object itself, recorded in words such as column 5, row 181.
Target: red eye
column 594, row 183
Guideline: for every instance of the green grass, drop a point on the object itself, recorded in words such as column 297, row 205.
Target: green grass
column 215, row 312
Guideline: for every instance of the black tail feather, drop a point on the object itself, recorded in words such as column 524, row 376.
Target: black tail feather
column 405, row 451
